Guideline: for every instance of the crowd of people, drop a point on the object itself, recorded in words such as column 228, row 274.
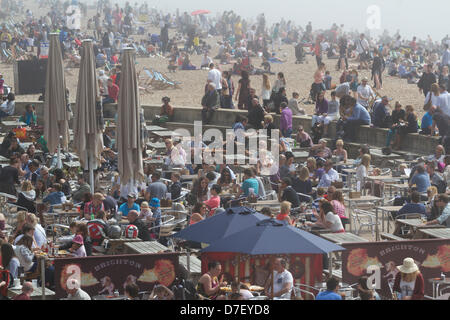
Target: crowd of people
column 34, row 178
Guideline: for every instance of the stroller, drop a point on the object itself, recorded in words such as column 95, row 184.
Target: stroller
column 300, row 54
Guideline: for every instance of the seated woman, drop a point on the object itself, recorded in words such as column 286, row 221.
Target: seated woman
column 187, row 65
column 200, row 190
column 327, row 218
column 303, row 138
column 225, row 180
column 27, row 196
column 285, row 210
column 166, row 113
column 340, row 152
column 214, row 201
column 29, row 117
column 321, row 150
column 362, row 171
column 25, row 253
column 408, row 126
column 199, row 213
column 209, row 285
column 337, row 201
column 302, row 184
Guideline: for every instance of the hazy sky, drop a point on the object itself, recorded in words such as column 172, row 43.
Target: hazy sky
column 406, row 15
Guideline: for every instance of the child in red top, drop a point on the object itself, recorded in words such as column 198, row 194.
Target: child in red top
column 214, row 201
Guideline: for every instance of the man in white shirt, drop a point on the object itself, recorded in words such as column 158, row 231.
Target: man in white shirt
column 364, row 93
column 330, row 175
column 362, row 45
column 444, row 100
column 103, row 82
column 74, row 291
column 282, row 281
column 215, row 76
column 206, row 61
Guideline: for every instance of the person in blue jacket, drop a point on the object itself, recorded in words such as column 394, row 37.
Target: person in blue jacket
column 359, row 116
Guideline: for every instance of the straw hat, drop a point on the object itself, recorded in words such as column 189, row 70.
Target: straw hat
column 365, row 79
column 409, row 266
column 144, row 204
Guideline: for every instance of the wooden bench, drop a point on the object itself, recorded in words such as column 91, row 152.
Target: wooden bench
column 389, row 236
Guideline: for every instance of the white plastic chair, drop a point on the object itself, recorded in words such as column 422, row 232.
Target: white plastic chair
column 364, row 219
column 298, row 293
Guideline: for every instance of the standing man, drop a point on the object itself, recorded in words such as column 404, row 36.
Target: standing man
column 286, row 120
column 446, row 56
column 427, row 79
column 210, row 102
column 215, row 76
column 365, row 92
column 362, row 47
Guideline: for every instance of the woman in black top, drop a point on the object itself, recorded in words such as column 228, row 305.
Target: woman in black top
column 302, row 184
column 408, row 126
column 9, row 176
column 278, row 99
column 398, row 116
column 256, row 114
column 377, row 70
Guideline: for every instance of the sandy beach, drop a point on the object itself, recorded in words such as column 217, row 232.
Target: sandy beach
column 299, row 76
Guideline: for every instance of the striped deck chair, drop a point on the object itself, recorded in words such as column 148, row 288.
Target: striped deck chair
column 146, row 82
column 6, row 56
column 143, row 51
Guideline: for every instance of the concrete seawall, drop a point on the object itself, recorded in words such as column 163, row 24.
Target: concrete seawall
column 224, row 118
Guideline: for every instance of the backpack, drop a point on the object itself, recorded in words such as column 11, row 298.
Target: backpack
column 96, row 231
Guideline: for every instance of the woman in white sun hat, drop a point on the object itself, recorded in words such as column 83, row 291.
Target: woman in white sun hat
column 409, row 281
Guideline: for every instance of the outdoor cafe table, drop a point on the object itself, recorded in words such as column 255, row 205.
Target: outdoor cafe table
column 349, row 162
column 350, row 173
column 353, row 202
column 154, row 128
column 118, row 245
column 156, row 161
column 13, row 124
column 385, row 179
column 341, row 238
column 72, row 164
column 112, row 297
column 300, row 155
column 156, row 145
column 414, row 224
column 387, row 210
column 265, row 203
column 146, row 247
column 68, row 215
column 432, row 233
column 165, row 134
column 36, row 295
column 402, row 187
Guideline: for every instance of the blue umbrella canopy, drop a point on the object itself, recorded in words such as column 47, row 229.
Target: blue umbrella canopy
column 273, row 237
column 221, row 225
